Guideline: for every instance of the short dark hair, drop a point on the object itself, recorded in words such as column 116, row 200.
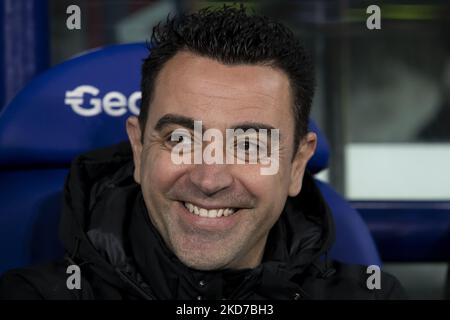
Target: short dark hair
column 232, row 36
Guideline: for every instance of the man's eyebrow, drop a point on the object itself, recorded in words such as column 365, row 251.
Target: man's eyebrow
column 171, row 119
column 187, row 122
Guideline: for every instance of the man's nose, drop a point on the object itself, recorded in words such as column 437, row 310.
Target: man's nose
column 211, row 178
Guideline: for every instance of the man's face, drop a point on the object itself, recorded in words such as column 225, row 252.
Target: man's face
column 190, row 87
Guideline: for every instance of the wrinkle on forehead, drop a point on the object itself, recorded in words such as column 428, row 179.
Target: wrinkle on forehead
column 237, row 90
column 206, row 107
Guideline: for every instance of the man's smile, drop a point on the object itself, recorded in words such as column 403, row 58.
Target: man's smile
column 208, row 219
column 209, row 213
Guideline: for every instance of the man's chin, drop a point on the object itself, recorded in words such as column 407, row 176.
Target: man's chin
column 203, row 263
column 203, row 255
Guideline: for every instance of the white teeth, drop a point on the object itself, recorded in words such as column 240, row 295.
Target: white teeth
column 228, row 212
column 213, row 213
column 203, row 212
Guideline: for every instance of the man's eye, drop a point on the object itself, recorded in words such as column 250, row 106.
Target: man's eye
column 249, row 146
column 179, row 137
column 246, row 145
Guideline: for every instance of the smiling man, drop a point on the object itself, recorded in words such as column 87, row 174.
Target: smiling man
column 140, row 225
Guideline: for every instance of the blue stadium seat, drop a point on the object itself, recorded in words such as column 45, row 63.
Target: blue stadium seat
column 81, row 105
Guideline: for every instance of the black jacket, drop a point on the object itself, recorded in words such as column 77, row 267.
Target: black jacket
column 106, row 231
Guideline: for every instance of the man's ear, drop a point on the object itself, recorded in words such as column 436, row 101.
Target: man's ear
column 134, row 135
column 305, row 151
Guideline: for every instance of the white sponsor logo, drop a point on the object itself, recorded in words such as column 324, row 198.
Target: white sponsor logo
column 113, row 103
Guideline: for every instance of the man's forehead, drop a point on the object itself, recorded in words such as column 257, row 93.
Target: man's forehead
column 189, row 73
column 221, row 95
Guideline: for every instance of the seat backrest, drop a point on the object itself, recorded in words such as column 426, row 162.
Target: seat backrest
column 78, row 106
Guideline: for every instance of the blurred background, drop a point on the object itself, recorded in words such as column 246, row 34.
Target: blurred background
column 383, row 96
